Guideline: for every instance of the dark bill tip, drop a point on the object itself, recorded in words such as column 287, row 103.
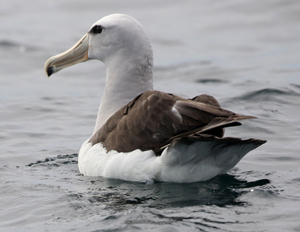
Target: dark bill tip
column 50, row 71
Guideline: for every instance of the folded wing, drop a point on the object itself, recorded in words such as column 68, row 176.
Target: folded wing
column 154, row 119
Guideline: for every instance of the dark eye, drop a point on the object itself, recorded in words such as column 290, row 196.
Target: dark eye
column 97, row 29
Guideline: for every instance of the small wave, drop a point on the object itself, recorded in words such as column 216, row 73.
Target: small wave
column 267, row 94
column 7, row 44
column 213, row 81
column 295, row 85
column 56, row 161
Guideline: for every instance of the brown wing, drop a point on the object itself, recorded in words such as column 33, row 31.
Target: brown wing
column 153, row 119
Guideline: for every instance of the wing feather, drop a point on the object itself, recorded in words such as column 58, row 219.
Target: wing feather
column 154, row 119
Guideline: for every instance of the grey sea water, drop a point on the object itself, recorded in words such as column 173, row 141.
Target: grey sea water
column 245, row 53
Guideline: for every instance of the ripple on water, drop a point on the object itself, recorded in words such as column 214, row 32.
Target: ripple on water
column 268, row 94
column 71, row 200
column 211, row 81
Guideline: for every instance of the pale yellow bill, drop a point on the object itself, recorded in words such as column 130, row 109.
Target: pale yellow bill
column 76, row 54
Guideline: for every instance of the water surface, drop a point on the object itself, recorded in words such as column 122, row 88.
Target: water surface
column 244, row 54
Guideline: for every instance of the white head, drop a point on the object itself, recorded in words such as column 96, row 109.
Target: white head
column 116, row 36
column 113, row 39
column 122, row 44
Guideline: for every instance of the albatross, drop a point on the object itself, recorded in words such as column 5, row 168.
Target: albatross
column 142, row 134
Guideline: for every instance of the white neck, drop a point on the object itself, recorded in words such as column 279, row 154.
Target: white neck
column 125, row 79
